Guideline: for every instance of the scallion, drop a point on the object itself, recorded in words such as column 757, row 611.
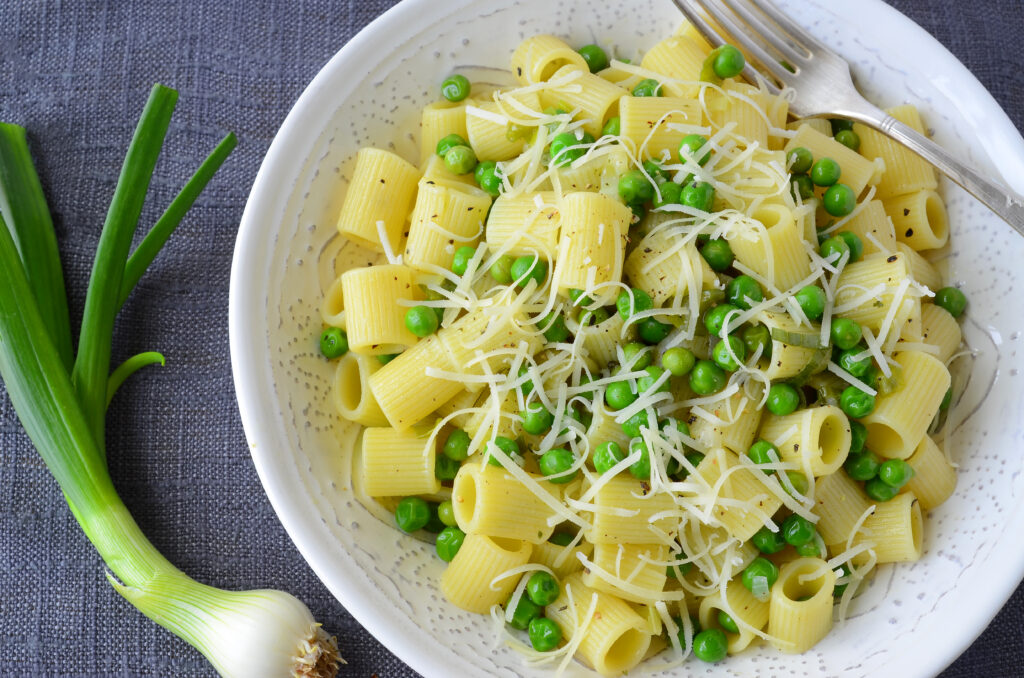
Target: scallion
column 61, row 400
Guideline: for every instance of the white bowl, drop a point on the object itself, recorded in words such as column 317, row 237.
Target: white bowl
column 915, row 618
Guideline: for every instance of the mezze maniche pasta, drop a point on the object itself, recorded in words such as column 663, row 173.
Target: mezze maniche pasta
column 662, row 369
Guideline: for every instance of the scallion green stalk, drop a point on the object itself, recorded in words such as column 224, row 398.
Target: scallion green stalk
column 248, row 633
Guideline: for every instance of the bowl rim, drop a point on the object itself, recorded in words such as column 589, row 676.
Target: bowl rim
column 1002, row 145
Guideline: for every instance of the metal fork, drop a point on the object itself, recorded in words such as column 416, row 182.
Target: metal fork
column 823, row 86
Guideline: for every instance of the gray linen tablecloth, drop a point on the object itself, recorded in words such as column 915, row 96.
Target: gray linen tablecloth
column 76, row 75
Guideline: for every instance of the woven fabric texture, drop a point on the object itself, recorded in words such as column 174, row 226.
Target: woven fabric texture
column 76, row 75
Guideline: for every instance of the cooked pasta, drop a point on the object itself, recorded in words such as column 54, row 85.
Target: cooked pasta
column 662, row 374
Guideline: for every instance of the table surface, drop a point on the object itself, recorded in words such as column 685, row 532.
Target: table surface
column 76, row 75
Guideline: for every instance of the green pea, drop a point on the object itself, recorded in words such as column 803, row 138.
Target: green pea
column 798, row 481
column 825, row 172
column 715, row 319
column 951, row 299
column 560, row 538
column 725, row 350
column 946, row 399
column 653, row 331
column 487, row 177
column 421, row 320
column 839, row 200
column 727, row 623
column 763, row 452
column 460, row 262
column 797, row 530
column 595, row 57
column 678, row 360
column 527, row 268
column 856, row 367
column 411, row 514
column 449, row 142
column 433, row 295
column 783, row 399
column 759, row 567
column 862, row 466
column 858, row 436
column 460, row 160
column 801, row 185
column 445, row 468
column 849, row 138
column 636, row 356
column 768, row 542
column 446, row 513
column 840, row 124
column 525, row 612
column 633, row 301
column 457, row 445
column 545, row 635
column 729, row 62
column 655, row 172
column 840, row 589
column 853, row 241
column 710, row 645
column 699, row 195
column 536, row 419
column 591, row 318
column 501, row 270
column 635, row 187
column 895, row 472
column 689, row 149
column 812, row 301
column 808, row 550
column 556, row 331
column 619, row 394
column 607, row 455
column 641, row 468
column 880, row 490
column 578, row 298
column 566, row 148
column 707, row 378
column 542, row 588
column 612, row 128
column 718, row 254
column 448, row 543
column 833, row 248
column 669, row 193
column 846, row 333
column 799, row 160
column 506, row 445
column 645, row 383
column 385, row 358
column 333, row 343
column 556, row 463
column 455, row 87
column 743, row 292
column 678, row 571
column 758, row 336
column 856, row 403
column 648, row 87
column 527, row 386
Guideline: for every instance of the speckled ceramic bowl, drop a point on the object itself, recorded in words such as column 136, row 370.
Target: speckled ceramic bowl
column 913, row 620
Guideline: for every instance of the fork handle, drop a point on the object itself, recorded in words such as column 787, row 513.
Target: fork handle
column 1000, row 199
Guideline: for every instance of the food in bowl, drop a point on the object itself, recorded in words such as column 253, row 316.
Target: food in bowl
column 662, row 370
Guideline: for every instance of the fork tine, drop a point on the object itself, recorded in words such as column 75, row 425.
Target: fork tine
column 769, row 34
column 797, row 32
column 737, row 34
